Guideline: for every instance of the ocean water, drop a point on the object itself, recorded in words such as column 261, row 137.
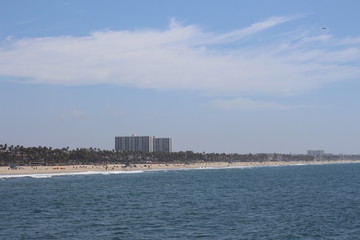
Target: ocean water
column 289, row 202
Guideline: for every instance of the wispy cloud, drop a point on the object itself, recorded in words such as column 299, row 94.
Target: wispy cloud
column 187, row 57
column 350, row 40
column 318, row 38
column 248, row 31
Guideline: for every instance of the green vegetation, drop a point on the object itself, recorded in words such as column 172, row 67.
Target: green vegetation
column 47, row 156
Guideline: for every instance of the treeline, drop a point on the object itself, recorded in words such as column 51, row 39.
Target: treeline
column 47, row 156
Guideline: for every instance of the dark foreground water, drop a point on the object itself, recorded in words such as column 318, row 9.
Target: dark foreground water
column 294, row 202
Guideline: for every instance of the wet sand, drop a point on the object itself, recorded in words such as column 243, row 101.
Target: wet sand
column 20, row 170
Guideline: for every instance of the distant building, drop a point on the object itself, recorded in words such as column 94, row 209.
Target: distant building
column 162, row 145
column 134, row 143
column 315, row 153
column 143, row 144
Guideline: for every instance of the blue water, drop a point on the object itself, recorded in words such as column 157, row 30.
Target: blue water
column 293, row 202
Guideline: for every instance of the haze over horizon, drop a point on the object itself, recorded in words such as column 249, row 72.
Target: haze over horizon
column 230, row 76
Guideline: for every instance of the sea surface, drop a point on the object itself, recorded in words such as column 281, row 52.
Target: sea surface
column 287, row 202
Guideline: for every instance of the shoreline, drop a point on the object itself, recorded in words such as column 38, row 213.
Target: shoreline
column 68, row 169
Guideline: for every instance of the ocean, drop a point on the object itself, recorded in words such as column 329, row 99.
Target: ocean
column 287, row 202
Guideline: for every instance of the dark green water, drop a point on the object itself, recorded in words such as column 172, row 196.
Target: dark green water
column 294, row 202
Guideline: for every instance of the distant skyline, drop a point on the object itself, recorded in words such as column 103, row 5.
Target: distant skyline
column 230, row 76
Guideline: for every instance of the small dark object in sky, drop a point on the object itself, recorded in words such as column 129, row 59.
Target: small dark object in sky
column 324, row 28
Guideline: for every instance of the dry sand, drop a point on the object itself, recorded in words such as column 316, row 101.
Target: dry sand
column 24, row 170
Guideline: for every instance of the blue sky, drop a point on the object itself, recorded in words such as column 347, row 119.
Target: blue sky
column 216, row 76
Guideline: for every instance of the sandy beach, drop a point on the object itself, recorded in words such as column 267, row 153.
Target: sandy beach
column 21, row 170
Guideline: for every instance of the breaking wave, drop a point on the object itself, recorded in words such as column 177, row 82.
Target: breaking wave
column 50, row 175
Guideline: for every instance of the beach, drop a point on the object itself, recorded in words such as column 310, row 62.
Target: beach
column 21, row 170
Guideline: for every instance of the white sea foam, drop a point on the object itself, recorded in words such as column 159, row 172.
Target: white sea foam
column 49, row 175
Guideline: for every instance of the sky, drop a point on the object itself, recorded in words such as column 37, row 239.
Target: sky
column 215, row 76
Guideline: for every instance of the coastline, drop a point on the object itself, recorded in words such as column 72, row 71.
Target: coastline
column 68, row 169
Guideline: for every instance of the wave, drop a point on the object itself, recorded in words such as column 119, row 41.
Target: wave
column 49, row 175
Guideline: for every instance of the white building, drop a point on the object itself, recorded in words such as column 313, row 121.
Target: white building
column 162, row 145
column 143, row 144
column 134, row 143
column 315, row 153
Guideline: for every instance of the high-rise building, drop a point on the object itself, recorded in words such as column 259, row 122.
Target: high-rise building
column 143, row 144
column 162, row 145
column 315, row 153
column 134, row 143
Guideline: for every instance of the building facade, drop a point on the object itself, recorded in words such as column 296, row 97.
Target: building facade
column 134, row 143
column 143, row 144
column 315, row 153
column 162, row 145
